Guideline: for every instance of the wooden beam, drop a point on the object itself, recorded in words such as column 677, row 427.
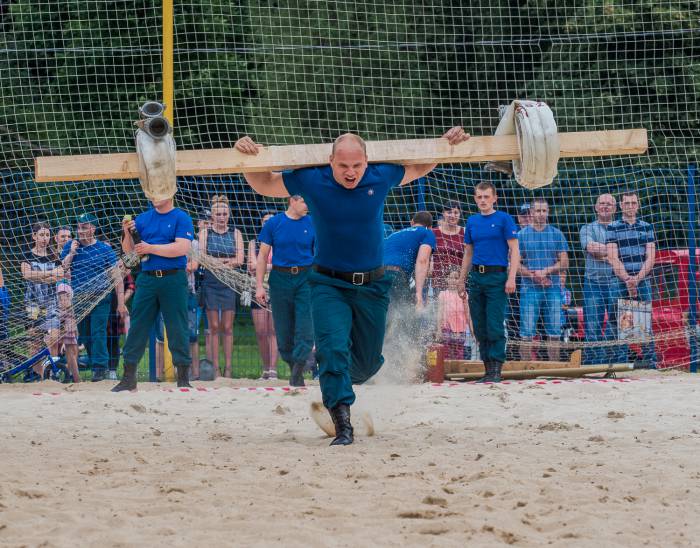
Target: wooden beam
column 413, row 151
column 475, row 366
column 532, row 374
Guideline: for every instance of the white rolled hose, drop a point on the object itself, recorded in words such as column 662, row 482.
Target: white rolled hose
column 532, row 122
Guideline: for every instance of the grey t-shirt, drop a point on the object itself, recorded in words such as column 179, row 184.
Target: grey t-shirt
column 596, row 270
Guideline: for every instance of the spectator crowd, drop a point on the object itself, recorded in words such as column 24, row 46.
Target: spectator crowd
column 63, row 270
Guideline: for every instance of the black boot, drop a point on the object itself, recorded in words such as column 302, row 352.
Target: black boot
column 297, row 376
column 493, row 372
column 343, row 429
column 496, row 371
column 128, row 381
column 487, row 373
column 183, row 376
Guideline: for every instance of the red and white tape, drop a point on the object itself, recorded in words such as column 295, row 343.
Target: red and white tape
column 252, row 389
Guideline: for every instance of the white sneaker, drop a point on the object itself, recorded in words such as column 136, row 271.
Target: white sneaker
column 272, row 375
column 112, row 375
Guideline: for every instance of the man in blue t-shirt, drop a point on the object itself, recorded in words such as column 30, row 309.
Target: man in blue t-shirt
column 406, row 253
column 544, row 253
column 491, row 258
column 348, row 287
column 290, row 236
column 165, row 236
column 631, row 250
column 93, row 270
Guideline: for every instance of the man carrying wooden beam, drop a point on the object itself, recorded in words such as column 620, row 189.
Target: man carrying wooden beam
column 349, row 292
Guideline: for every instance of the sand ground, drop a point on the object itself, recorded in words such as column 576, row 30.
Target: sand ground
column 570, row 464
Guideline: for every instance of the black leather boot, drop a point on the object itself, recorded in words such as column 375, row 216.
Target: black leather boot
column 128, row 381
column 183, row 376
column 487, row 373
column 297, row 376
column 343, row 429
column 496, row 371
column 493, row 372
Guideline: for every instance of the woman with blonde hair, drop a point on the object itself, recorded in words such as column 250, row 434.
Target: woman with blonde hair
column 221, row 245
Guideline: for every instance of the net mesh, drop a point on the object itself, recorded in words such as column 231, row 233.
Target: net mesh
column 291, row 72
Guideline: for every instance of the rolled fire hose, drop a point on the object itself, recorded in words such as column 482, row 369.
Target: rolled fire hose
column 532, row 122
column 155, row 147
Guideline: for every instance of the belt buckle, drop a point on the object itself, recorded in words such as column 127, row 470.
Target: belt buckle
column 294, row 270
column 159, row 273
column 361, row 277
column 482, row 269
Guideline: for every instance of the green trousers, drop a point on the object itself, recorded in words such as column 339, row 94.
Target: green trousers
column 290, row 300
column 169, row 296
column 487, row 305
column 349, row 322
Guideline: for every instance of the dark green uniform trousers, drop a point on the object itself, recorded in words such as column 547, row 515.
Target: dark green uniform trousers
column 290, row 300
column 349, row 322
column 169, row 296
column 487, row 305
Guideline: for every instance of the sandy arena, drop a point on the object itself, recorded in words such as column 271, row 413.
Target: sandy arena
column 567, row 464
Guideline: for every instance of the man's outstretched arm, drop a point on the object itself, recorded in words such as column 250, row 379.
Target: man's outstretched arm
column 267, row 183
column 454, row 135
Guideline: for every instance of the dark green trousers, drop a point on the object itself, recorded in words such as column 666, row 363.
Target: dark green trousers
column 169, row 296
column 349, row 322
column 290, row 300
column 487, row 305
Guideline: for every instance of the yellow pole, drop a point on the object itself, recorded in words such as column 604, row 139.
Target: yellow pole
column 168, row 98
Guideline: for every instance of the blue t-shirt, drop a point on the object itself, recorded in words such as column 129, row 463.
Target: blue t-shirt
column 401, row 248
column 162, row 228
column 540, row 249
column 90, row 266
column 489, row 234
column 292, row 241
column 631, row 240
column 348, row 223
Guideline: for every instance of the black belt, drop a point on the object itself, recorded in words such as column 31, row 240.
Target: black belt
column 355, row 278
column 290, row 269
column 483, row 269
column 161, row 273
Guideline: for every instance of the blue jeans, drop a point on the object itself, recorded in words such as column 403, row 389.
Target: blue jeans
column 4, row 312
column 599, row 298
column 532, row 300
column 93, row 333
column 643, row 294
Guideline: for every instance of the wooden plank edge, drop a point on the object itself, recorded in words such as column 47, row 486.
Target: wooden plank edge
column 532, row 374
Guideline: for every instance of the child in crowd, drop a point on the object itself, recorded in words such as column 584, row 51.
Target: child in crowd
column 454, row 325
column 41, row 271
column 67, row 333
column 116, row 324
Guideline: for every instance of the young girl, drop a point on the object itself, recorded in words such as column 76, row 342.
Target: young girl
column 454, row 321
column 40, row 271
column 67, row 332
column 262, row 318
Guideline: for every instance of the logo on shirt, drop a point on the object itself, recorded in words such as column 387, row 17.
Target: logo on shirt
column 493, row 226
column 370, row 192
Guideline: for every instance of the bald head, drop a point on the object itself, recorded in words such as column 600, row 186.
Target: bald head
column 348, row 160
column 349, row 141
column 605, row 207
